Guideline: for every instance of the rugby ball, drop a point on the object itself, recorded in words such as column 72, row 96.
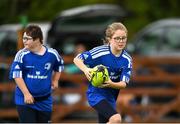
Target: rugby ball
column 99, row 75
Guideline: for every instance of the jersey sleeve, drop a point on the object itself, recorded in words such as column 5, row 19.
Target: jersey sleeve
column 17, row 66
column 127, row 71
column 59, row 62
column 85, row 56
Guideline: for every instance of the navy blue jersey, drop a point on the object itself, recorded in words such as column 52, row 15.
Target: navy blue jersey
column 119, row 68
column 36, row 71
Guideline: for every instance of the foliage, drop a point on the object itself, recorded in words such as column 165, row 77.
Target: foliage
column 143, row 11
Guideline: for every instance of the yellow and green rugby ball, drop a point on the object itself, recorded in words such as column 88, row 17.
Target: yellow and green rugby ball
column 99, row 75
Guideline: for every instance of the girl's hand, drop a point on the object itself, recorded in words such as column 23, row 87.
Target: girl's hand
column 87, row 72
column 106, row 84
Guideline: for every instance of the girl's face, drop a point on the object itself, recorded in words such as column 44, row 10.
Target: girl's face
column 118, row 40
column 28, row 42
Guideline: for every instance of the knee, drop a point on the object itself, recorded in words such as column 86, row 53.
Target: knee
column 116, row 118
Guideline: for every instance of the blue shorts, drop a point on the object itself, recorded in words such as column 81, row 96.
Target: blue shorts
column 30, row 115
column 94, row 97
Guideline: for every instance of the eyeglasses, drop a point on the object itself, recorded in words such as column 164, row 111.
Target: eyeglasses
column 27, row 38
column 119, row 39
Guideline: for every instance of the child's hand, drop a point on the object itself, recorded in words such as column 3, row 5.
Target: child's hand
column 54, row 85
column 87, row 72
column 106, row 84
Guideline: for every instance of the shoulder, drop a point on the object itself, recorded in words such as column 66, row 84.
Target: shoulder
column 20, row 54
column 127, row 58
column 126, row 55
column 99, row 51
column 54, row 52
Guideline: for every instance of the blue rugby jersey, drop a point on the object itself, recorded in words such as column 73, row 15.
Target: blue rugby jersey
column 119, row 68
column 36, row 70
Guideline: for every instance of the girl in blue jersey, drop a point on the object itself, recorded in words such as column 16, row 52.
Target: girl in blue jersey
column 119, row 65
column 36, row 70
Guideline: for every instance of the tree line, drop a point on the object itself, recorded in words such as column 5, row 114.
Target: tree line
column 142, row 11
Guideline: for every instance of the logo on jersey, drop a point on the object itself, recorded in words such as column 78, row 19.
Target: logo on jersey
column 112, row 73
column 28, row 66
column 129, row 72
column 37, row 72
column 37, row 76
column 85, row 56
column 47, row 66
column 17, row 67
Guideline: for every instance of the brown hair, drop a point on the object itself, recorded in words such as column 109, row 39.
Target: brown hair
column 35, row 32
column 112, row 28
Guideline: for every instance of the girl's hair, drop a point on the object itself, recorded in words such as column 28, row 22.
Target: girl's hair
column 35, row 32
column 111, row 30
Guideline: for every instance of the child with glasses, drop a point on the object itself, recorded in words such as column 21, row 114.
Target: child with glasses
column 36, row 70
column 119, row 64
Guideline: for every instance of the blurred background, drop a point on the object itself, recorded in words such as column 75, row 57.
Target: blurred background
column 73, row 26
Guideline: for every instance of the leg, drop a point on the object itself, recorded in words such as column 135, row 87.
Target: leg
column 102, row 119
column 26, row 114
column 105, row 112
column 44, row 117
column 116, row 118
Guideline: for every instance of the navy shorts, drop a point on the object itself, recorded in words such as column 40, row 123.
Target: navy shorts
column 29, row 115
column 105, row 111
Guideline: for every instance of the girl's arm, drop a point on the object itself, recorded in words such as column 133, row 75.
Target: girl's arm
column 80, row 64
